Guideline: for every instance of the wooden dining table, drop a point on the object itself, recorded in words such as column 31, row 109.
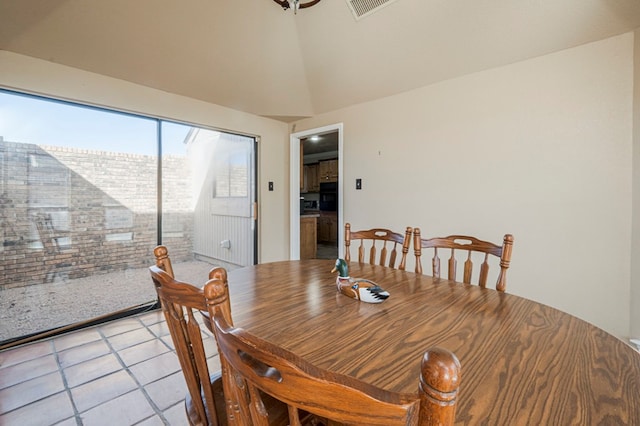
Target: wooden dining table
column 523, row 363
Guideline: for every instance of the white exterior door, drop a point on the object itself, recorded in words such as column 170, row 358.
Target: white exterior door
column 224, row 174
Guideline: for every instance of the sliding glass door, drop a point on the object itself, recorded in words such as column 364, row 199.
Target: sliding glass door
column 85, row 195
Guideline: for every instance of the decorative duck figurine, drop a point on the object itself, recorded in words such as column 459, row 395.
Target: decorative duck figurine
column 358, row 288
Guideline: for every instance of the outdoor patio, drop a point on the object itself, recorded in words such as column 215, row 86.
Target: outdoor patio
column 35, row 308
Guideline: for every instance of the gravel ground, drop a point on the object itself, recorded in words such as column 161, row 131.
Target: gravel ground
column 26, row 310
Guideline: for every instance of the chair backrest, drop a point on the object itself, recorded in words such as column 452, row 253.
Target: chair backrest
column 383, row 240
column 256, row 367
column 465, row 245
column 182, row 303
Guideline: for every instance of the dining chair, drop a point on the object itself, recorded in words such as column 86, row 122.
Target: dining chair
column 467, row 246
column 253, row 367
column 204, row 402
column 378, row 239
column 52, row 240
column 182, row 303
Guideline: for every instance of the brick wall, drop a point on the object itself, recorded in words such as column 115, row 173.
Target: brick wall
column 70, row 213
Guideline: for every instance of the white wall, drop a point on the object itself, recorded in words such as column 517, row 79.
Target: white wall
column 40, row 77
column 635, row 247
column 541, row 149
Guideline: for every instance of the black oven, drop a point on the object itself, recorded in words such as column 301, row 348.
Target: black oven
column 329, row 196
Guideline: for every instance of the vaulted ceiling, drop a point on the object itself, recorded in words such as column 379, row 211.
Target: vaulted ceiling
column 253, row 56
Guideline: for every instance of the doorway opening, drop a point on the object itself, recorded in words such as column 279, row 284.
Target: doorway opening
column 316, row 193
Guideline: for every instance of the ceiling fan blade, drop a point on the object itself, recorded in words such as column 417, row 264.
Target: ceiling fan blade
column 309, row 4
column 283, row 3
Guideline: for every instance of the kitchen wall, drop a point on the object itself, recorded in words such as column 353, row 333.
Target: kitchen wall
column 41, row 77
column 541, row 149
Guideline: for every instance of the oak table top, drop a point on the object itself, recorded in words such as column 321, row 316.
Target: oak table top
column 522, row 362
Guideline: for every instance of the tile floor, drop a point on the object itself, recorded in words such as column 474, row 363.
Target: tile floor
column 124, row 372
column 327, row 251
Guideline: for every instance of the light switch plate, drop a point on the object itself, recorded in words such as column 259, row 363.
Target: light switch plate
column 358, row 183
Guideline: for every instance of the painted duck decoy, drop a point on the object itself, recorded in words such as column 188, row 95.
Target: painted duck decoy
column 358, row 288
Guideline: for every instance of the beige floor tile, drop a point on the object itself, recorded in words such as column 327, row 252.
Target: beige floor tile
column 25, row 353
column 152, row 317
column 154, row 421
column 168, row 391
column 89, row 370
column 48, row 411
column 102, row 390
column 142, row 352
column 169, row 342
column 76, row 338
column 156, row 368
column 69, row 422
column 160, row 329
column 120, row 326
column 78, row 354
column 176, row 415
column 130, row 338
column 27, row 370
column 126, row 409
column 30, row 391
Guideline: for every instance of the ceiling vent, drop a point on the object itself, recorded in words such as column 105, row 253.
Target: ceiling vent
column 364, row 8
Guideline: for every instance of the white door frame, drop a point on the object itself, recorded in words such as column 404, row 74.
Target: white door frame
column 294, row 187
